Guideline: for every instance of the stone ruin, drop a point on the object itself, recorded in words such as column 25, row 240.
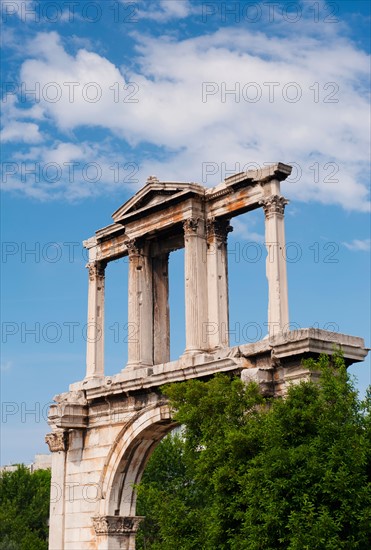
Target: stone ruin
column 105, row 428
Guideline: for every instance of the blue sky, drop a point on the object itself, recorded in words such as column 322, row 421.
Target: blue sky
column 97, row 96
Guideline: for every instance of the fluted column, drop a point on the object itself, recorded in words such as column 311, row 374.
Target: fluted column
column 140, row 306
column 195, row 285
column 95, row 325
column 217, row 283
column 161, row 314
column 278, row 310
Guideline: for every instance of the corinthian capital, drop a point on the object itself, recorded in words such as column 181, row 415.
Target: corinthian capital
column 134, row 246
column 116, row 525
column 219, row 229
column 190, row 226
column 274, row 205
column 56, row 441
column 96, row 270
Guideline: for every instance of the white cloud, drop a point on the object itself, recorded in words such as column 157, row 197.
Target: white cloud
column 162, row 104
column 12, row 112
column 357, row 245
column 65, row 170
column 26, row 132
column 165, row 10
column 241, row 230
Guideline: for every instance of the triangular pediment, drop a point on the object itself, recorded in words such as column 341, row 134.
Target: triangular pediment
column 153, row 194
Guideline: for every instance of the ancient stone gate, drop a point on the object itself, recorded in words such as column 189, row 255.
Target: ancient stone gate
column 105, row 428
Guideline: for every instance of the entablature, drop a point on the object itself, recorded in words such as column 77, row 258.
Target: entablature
column 285, row 346
column 160, row 208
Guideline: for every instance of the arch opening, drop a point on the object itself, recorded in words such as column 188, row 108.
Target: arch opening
column 129, row 455
column 117, row 522
column 123, row 495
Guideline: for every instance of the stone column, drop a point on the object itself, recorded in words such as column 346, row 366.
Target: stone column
column 161, row 314
column 95, row 326
column 278, row 310
column 57, row 442
column 217, row 283
column 140, row 306
column 195, row 285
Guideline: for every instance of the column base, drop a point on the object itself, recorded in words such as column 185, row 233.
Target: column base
column 137, row 366
column 189, row 352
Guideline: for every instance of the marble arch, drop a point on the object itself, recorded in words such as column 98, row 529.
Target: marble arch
column 105, row 427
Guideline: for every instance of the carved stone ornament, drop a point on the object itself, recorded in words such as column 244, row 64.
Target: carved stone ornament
column 96, row 270
column 74, row 397
column 190, row 225
column 116, row 525
column 152, row 179
column 134, row 246
column 56, row 441
column 219, row 229
column 274, row 205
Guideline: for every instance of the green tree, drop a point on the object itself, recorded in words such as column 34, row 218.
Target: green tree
column 167, row 499
column 24, row 509
column 254, row 474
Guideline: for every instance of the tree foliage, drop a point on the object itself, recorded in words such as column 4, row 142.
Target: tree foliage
column 255, row 474
column 24, row 509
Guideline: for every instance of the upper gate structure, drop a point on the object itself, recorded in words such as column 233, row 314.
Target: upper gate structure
column 105, row 428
